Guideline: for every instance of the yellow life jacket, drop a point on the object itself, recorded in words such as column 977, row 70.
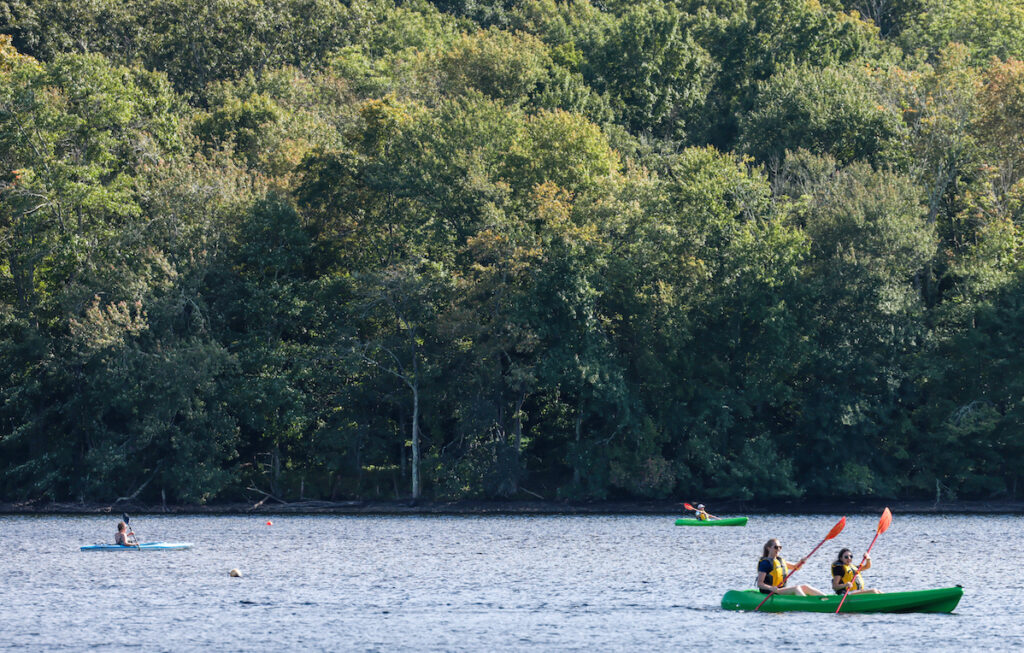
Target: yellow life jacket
column 701, row 515
column 849, row 575
column 777, row 577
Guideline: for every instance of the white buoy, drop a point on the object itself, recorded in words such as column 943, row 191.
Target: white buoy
column 234, row 573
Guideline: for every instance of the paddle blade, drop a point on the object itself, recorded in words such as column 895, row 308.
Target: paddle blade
column 883, row 523
column 688, row 506
column 837, row 529
column 125, row 519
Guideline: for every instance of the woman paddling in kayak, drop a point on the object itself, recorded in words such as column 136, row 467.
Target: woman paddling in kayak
column 772, row 571
column 845, row 579
column 701, row 514
column 122, row 535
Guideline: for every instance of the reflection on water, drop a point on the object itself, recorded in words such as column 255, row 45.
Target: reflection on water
column 484, row 583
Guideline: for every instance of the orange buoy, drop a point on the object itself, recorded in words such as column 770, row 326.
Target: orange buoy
column 270, row 523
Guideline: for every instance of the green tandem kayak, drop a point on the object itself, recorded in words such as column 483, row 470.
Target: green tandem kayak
column 727, row 521
column 937, row 600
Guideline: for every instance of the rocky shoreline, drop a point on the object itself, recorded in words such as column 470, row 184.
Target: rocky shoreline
column 724, row 508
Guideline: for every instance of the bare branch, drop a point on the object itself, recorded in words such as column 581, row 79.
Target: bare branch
column 266, row 495
column 401, row 368
column 131, row 497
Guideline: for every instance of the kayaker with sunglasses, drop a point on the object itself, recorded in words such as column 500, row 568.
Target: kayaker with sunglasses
column 772, row 571
column 845, row 577
column 701, row 514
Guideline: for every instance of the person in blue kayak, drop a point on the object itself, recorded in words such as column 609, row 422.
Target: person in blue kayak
column 845, row 577
column 701, row 513
column 122, row 535
column 772, row 571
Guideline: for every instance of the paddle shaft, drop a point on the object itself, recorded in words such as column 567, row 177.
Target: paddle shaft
column 859, row 567
column 131, row 531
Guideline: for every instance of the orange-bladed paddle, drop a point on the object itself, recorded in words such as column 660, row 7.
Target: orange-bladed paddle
column 883, row 525
column 836, row 530
column 689, row 507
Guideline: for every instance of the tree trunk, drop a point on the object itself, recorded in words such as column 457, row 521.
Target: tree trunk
column 518, row 426
column 415, row 441
column 576, row 463
column 275, row 470
column 359, row 467
column 401, row 457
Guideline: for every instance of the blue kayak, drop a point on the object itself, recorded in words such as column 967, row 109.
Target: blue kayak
column 144, row 546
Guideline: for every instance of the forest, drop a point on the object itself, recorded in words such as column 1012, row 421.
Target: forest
column 576, row 250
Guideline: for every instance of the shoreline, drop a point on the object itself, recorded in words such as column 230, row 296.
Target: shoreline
column 539, row 508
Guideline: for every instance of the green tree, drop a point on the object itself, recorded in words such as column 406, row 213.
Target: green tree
column 870, row 244
column 970, row 420
column 654, row 72
column 45, row 29
column 837, row 111
column 732, row 337
column 985, row 28
column 891, row 16
column 751, row 41
column 273, row 123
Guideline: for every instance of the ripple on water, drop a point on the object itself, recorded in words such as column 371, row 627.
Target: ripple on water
column 484, row 583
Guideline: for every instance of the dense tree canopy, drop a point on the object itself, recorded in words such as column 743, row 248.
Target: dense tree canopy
column 566, row 249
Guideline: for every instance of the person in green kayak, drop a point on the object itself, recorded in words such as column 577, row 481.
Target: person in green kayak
column 845, row 577
column 772, row 571
column 701, row 513
column 122, row 535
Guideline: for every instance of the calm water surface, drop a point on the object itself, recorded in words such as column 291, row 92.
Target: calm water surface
column 488, row 583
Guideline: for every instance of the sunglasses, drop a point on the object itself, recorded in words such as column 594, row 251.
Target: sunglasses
column 847, row 557
column 777, row 546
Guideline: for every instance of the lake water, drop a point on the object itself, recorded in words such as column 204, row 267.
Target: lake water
column 452, row 583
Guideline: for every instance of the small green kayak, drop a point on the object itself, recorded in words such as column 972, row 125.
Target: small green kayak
column 727, row 521
column 937, row 600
